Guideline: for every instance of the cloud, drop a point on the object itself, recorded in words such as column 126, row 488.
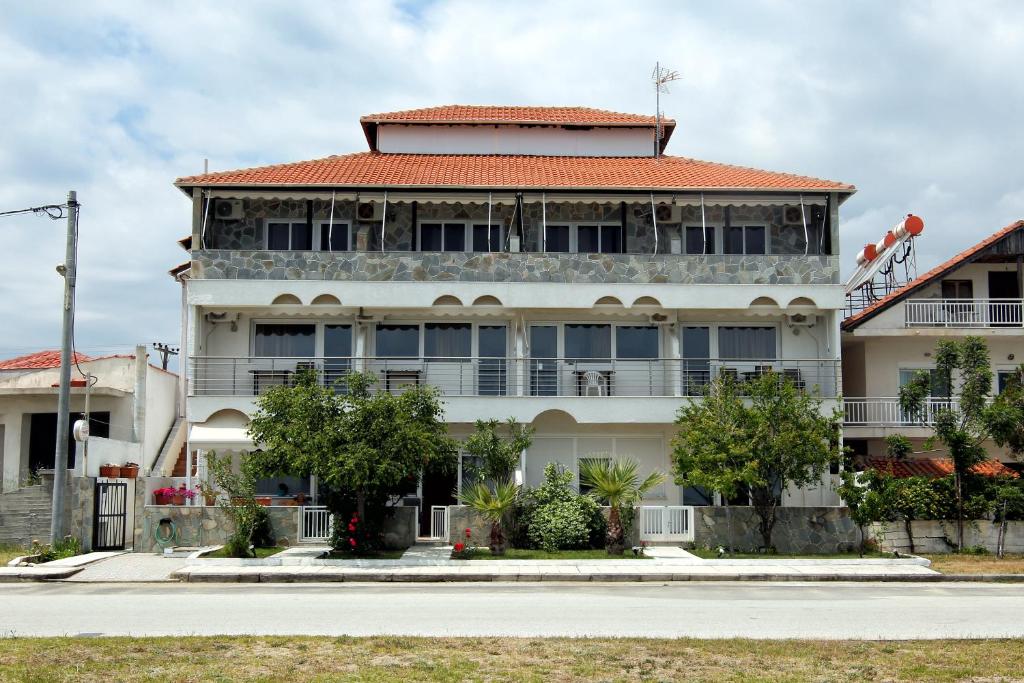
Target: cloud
column 916, row 103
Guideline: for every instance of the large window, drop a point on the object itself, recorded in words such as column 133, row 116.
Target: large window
column 744, row 239
column 694, row 239
column 696, row 359
column 398, row 341
column 334, row 236
column 448, row 341
column 585, row 239
column 957, row 289
column 938, row 387
column 586, row 341
column 451, row 236
column 284, row 341
column 636, row 341
column 746, row 343
column 283, row 235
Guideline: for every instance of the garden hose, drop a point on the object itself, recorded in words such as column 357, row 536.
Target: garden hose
column 166, row 538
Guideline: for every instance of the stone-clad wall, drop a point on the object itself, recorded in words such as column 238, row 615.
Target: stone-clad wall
column 393, row 266
column 798, row 529
column 933, row 536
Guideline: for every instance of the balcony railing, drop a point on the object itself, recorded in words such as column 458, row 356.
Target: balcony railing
column 475, row 376
column 964, row 313
column 886, row 412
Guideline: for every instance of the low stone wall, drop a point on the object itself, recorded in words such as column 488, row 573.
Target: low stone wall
column 939, row 536
column 797, row 529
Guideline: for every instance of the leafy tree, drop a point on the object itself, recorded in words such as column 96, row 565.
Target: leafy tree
column 1006, row 415
column 618, row 484
column 965, row 423
column 1009, row 498
column 363, row 445
column 498, row 453
column 865, row 503
column 761, row 436
column 494, row 504
column 250, row 521
column 910, row 498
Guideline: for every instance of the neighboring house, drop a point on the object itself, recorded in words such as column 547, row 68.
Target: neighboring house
column 977, row 292
column 540, row 263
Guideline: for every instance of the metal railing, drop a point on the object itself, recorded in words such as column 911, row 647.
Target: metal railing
column 439, row 521
column 964, row 312
column 886, row 412
column 315, row 524
column 475, row 376
column 666, row 523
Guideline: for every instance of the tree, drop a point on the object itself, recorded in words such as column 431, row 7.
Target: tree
column 1006, row 415
column 365, row 445
column 759, row 437
column 250, row 521
column 494, row 504
column 618, row 485
column 863, row 500
column 964, row 422
column 498, row 454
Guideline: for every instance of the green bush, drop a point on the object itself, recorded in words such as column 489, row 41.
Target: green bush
column 560, row 518
column 69, row 546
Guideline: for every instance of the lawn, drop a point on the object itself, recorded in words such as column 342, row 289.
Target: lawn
column 1012, row 563
column 501, row 659
column 260, row 552
column 9, row 552
column 518, row 554
column 708, row 554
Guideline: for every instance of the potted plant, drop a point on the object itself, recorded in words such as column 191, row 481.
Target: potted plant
column 209, row 493
column 110, row 470
column 181, row 494
column 162, row 496
column 130, row 470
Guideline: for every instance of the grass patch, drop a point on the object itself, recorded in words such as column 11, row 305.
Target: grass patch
column 377, row 555
column 9, row 552
column 502, row 659
column 260, row 552
column 709, row 554
column 520, row 554
column 955, row 563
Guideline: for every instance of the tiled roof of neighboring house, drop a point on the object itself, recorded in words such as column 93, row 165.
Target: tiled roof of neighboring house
column 40, row 360
column 179, row 269
column 374, row 169
column 471, row 113
column 936, row 467
column 936, row 272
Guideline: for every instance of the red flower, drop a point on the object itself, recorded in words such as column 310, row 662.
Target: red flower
column 351, row 527
column 459, row 547
column 469, row 532
column 352, row 542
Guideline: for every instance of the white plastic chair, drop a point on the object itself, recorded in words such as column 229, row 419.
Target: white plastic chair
column 592, row 382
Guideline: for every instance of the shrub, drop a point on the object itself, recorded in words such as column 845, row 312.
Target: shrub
column 562, row 519
column 69, row 546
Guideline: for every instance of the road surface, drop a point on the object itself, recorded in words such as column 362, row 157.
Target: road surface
column 705, row 610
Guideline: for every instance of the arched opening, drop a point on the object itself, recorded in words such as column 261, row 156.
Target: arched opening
column 764, row 301
column 289, row 299
column 487, row 300
column 802, row 301
column 326, row 300
column 607, row 301
column 647, row 301
column 447, row 300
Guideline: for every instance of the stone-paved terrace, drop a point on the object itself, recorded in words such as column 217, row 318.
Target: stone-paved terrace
column 404, row 266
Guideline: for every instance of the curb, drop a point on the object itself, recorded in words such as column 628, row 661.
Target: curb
column 18, row 574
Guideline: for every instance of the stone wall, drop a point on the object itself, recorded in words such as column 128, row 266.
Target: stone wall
column 519, row 267
column 25, row 514
column 936, row 536
column 798, row 529
column 461, row 517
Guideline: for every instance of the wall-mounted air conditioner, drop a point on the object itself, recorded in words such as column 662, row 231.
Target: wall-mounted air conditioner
column 227, row 209
column 801, row 320
column 668, row 213
column 370, row 211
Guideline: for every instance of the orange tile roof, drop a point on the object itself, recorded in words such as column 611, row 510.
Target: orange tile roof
column 936, row 467
column 936, row 272
column 512, row 172
column 480, row 114
column 40, row 360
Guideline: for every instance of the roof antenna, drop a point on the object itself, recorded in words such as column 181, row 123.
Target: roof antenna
column 661, row 78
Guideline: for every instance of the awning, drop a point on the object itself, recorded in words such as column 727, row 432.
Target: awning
column 234, row 438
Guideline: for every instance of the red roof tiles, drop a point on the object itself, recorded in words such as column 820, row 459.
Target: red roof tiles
column 38, row 361
column 936, row 467
column 374, row 169
column 482, row 114
column 938, row 271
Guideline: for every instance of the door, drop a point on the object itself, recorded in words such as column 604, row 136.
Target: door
column 110, row 515
column 543, row 360
column 438, row 489
column 1004, row 285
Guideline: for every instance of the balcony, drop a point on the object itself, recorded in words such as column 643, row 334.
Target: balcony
column 964, row 313
column 886, row 412
column 509, row 377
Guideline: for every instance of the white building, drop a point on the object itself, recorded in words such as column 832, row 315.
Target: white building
column 537, row 263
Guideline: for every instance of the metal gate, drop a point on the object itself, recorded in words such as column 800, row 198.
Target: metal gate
column 110, row 515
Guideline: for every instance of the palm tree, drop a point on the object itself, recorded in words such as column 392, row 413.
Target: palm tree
column 617, row 484
column 494, row 505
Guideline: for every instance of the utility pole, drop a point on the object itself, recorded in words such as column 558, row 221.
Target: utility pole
column 165, row 350
column 60, row 464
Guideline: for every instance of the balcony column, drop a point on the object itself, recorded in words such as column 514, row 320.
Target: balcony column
column 522, row 366
column 358, row 346
column 673, row 366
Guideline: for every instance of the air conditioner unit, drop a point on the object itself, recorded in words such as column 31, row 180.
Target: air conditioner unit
column 227, row 209
column 668, row 213
column 368, row 211
column 801, row 320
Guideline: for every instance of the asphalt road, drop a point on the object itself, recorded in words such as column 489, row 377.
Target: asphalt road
column 706, row 610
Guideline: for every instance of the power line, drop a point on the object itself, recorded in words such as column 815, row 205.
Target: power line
column 53, row 211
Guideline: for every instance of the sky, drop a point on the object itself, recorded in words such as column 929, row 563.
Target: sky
column 918, row 104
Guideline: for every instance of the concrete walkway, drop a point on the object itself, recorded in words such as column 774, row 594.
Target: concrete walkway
column 57, row 569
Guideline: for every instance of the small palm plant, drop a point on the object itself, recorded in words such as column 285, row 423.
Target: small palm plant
column 617, row 484
column 493, row 504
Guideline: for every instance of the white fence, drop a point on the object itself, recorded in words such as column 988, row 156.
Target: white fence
column 315, row 524
column 964, row 313
column 886, row 412
column 666, row 523
column 439, row 521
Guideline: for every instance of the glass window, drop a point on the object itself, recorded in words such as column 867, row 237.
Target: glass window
column 588, row 239
column 557, row 238
column 755, row 242
column 447, row 341
column 486, row 239
column 337, row 341
column 939, row 388
column 302, row 237
column 746, row 343
column 398, row 341
column 636, row 341
column 697, row 495
column 285, row 236
column 492, row 341
column 334, row 237
column 957, row 289
column 284, row 341
column 278, row 236
column 744, row 240
column 454, row 237
column 543, row 351
column 695, row 240
column 283, row 487
column 696, row 359
column 588, row 341
column 431, row 237
column 733, row 240
column 1004, row 377
column 611, row 239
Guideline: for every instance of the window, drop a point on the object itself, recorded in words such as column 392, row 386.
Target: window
column 459, row 237
column 636, row 341
column 556, row 238
column 957, row 289
column 487, row 238
column 493, row 345
column 398, row 341
column 284, row 341
column 746, row 343
column 337, row 355
column 744, row 239
column 588, row 341
column 694, row 239
column 696, row 359
column 334, row 236
column 938, row 389
column 289, row 236
column 1004, row 377
column 447, row 341
column 585, row 239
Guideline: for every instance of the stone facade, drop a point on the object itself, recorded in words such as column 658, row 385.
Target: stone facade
column 937, row 536
column 798, row 529
column 518, row 267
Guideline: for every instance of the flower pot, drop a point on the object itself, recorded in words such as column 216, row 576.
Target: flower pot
column 210, row 501
column 177, row 500
column 130, row 471
column 110, row 471
column 161, row 499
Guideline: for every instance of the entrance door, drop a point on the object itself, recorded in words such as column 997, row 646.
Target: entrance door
column 1004, row 285
column 110, row 515
column 438, row 489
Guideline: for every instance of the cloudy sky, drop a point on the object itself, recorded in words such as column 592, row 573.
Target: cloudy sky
column 916, row 103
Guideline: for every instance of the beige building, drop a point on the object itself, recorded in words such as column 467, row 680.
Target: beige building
column 977, row 292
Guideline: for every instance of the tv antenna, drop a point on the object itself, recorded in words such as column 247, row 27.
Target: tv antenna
column 661, row 77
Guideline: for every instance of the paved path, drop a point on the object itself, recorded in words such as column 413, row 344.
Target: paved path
column 131, row 567
column 707, row 610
